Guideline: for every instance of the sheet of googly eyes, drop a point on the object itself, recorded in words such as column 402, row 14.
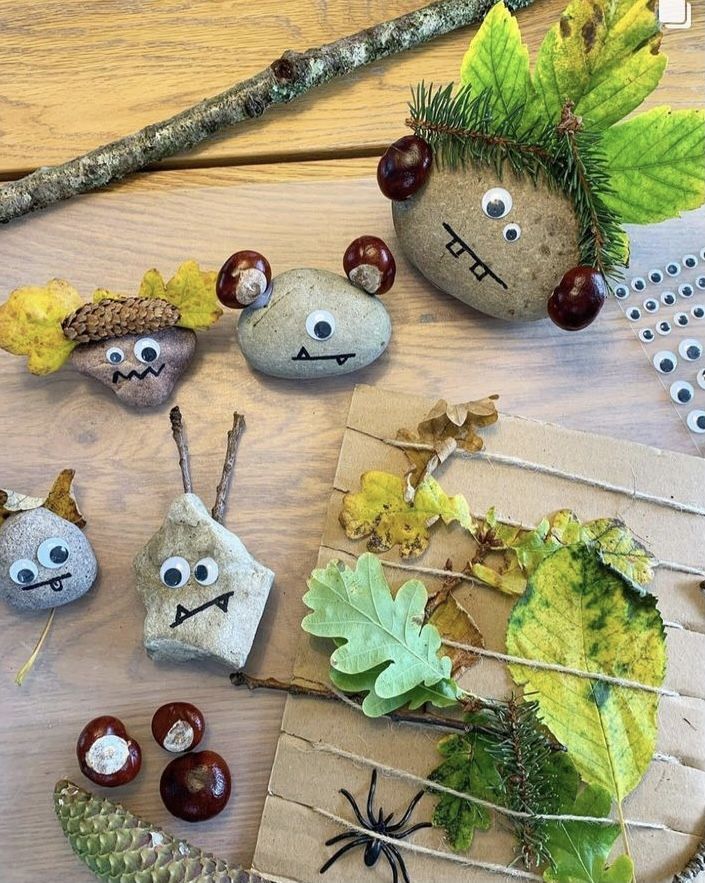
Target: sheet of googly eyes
column 665, row 305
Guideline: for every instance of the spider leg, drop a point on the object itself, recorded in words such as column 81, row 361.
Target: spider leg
column 389, row 855
column 407, row 815
column 388, row 819
column 402, row 866
column 340, row 837
column 371, row 797
column 334, row 858
column 353, row 803
column 402, row 834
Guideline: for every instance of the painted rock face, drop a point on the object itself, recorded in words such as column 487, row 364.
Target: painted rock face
column 316, row 324
column 500, row 246
column 203, row 591
column 142, row 370
column 45, row 561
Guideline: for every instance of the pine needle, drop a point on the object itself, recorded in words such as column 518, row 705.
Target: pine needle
column 27, row 667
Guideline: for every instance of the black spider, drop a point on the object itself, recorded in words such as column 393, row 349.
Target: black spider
column 381, row 825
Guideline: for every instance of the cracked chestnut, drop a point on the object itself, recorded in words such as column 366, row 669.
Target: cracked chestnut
column 369, row 264
column 242, row 279
column 178, row 726
column 106, row 753
column 196, row 786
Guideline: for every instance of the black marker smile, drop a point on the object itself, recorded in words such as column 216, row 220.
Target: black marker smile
column 56, row 583
column 303, row 355
column 182, row 614
column 478, row 268
column 138, row 375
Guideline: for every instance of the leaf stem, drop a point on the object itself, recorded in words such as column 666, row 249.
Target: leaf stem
column 625, row 838
column 26, row 668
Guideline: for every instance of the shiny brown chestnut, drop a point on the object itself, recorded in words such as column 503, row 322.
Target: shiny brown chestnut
column 578, row 298
column 196, row 786
column 404, row 167
column 370, row 265
column 178, row 726
column 243, row 278
column 106, row 754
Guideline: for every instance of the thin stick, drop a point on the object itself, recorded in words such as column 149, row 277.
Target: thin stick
column 221, row 494
column 24, row 671
column 290, row 76
column 179, row 433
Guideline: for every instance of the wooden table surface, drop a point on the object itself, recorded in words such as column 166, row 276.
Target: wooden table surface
column 298, row 186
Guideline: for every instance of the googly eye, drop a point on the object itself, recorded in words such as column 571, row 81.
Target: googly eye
column 681, row 319
column 638, row 283
column 690, row 349
column 665, row 362
column 621, row 291
column 114, row 355
column 147, row 350
column 646, row 335
column 668, row 298
column 700, row 282
column 651, row 305
column 175, row 572
column 685, row 290
column 497, row 203
column 206, row 572
column 698, row 312
column 634, row 314
column 320, row 325
column 511, row 232
column 23, row 572
column 690, row 261
column 53, row 552
column 673, row 268
column 700, row 378
column 655, row 276
column 696, row 421
column 681, row 392
column 664, row 328
column 702, row 254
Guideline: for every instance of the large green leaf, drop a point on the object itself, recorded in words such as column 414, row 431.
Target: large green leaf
column 375, row 627
column 579, row 614
column 579, row 850
column 656, row 164
column 604, row 56
column 444, row 694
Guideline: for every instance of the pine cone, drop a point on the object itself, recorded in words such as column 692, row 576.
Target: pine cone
column 114, row 318
column 117, row 845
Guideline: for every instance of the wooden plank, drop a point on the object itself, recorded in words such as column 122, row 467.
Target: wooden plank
column 73, row 76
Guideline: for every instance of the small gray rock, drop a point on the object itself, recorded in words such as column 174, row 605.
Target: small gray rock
column 203, row 591
column 141, row 369
column 316, row 324
column 506, row 267
column 45, row 561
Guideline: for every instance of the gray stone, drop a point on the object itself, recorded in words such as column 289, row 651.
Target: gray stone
column 277, row 339
column 516, row 277
column 136, row 382
column 195, row 621
column 23, row 548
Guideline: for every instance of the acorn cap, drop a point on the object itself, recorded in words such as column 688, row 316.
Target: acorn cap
column 115, row 318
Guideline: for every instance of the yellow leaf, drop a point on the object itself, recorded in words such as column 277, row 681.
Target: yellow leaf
column 380, row 511
column 30, row 324
column 60, row 500
column 190, row 289
column 152, row 285
column 103, row 294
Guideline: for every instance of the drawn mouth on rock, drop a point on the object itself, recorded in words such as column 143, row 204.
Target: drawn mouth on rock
column 56, row 583
column 303, row 355
column 182, row 613
column 138, row 375
column 479, row 269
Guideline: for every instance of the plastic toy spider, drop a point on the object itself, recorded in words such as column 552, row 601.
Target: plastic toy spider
column 381, row 825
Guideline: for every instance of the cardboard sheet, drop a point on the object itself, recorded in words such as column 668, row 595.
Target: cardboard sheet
column 527, row 470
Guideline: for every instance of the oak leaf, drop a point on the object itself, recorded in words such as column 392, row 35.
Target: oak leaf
column 190, row 289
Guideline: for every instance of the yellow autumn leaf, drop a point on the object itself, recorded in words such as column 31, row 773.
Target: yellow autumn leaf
column 104, row 294
column 30, row 324
column 152, row 285
column 191, row 290
column 380, row 511
column 454, row 623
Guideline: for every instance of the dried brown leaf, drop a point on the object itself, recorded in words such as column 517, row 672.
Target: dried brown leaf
column 61, row 501
column 454, row 623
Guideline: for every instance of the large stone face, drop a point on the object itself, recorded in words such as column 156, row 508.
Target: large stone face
column 127, row 366
column 45, row 561
column 280, row 338
column 445, row 232
column 216, row 618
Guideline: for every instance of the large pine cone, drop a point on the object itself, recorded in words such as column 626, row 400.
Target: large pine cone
column 114, row 318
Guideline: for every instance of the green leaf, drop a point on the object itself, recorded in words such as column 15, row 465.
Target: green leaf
column 357, row 606
column 621, row 551
column 444, row 694
column 656, row 165
column 603, row 56
column 497, row 64
column 579, row 850
column 578, row 613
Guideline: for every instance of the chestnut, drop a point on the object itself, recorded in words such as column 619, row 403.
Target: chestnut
column 243, row 278
column 106, row 754
column 404, row 167
column 196, row 786
column 178, row 726
column 370, row 265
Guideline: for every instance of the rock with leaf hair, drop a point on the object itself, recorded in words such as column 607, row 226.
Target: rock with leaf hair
column 512, row 192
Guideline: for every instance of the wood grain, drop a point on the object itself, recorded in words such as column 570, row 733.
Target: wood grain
column 73, row 76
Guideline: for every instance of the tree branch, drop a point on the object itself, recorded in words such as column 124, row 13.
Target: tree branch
column 221, row 494
column 284, row 80
column 179, row 433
